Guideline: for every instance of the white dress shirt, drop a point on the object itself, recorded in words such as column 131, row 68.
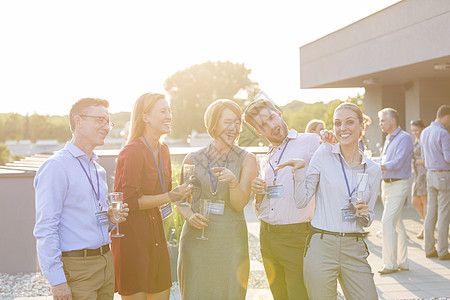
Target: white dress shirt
column 281, row 211
column 65, row 208
column 325, row 179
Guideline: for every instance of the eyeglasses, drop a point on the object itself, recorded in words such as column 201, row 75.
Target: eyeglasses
column 101, row 121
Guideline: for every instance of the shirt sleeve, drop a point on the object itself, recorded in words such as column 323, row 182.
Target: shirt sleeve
column 445, row 140
column 402, row 155
column 50, row 185
column 307, row 179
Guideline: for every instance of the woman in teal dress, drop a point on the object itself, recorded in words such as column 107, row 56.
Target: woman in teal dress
column 217, row 268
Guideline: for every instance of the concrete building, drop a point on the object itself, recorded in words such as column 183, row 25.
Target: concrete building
column 400, row 55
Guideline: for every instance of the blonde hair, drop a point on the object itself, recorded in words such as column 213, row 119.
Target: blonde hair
column 254, row 108
column 214, row 112
column 79, row 107
column 143, row 105
column 312, row 125
column 353, row 107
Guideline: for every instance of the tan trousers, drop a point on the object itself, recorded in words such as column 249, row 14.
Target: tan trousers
column 90, row 277
column 344, row 258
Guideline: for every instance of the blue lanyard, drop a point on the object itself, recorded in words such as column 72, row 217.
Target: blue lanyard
column 346, row 181
column 97, row 194
column 215, row 185
column 278, row 162
column 161, row 181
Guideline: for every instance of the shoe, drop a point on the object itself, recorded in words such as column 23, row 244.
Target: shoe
column 420, row 235
column 385, row 271
column 403, row 269
column 432, row 254
column 445, row 257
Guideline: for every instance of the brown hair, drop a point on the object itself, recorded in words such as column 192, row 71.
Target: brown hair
column 79, row 107
column 254, row 108
column 214, row 112
column 312, row 125
column 443, row 111
column 353, row 107
column 143, row 105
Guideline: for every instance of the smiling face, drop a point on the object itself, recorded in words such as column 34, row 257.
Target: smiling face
column 347, row 126
column 158, row 120
column 269, row 123
column 92, row 126
column 228, row 127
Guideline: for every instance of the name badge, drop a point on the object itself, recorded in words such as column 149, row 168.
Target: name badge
column 275, row 191
column 166, row 211
column 102, row 218
column 347, row 215
column 217, row 207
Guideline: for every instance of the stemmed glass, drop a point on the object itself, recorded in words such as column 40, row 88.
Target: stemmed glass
column 261, row 161
column 362, row 180
column 188, row 173
column 204, row 211
column 116, row 200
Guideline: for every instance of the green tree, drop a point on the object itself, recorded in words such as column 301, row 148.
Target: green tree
column 4, row 154
column 11, row 127
column 193, row 89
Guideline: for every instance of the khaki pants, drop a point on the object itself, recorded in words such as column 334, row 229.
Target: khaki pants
column 344, row 258
column 393, row 195
column 90, row 277
column 438, row 211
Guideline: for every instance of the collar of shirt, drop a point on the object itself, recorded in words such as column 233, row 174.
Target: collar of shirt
column 394, row 134
column 337, row 150
column 77, row 152
column 433, row 123
column 292, row 134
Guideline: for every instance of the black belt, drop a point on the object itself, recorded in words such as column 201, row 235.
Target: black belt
column 87, row 252
column 439, row 171
column 340, row 234
column 391, row 179
column 286, row 228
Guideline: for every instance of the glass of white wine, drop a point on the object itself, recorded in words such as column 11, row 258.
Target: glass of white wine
column 188, row 173
column 262, row 164
column 116, row 200
column 204, row 211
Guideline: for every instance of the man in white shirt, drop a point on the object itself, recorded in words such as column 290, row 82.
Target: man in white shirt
column 284, row 228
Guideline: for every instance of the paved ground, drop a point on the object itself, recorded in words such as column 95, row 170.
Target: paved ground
column 426, row 279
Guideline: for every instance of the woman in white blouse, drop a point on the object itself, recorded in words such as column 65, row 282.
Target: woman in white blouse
column 337, row 250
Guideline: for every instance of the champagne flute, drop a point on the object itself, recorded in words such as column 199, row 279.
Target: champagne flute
column 116, row 200
column 261, row 161
column 188, row 173
column 204, row 211
column 362, row 180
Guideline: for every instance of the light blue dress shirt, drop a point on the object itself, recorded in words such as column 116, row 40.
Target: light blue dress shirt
column 397, row 154
column 435, row 144
column 65, row 208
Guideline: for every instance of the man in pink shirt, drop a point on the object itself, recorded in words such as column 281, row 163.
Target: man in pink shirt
column 284, row 228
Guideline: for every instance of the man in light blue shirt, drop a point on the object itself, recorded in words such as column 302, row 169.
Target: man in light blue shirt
column 435, row 144
column 396, row 169
column 72, row 216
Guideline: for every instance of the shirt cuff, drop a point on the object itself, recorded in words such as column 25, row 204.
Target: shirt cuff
column 56, row 277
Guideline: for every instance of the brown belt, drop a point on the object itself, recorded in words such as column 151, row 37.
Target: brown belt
column 341, row 234
column 287, row 228
column 87, row 252
column 391, row 179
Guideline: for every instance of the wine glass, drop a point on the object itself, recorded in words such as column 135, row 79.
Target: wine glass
column 261, row 161
column 116, row 200
column 204, row 211
column 362, row 180
column 188, row 173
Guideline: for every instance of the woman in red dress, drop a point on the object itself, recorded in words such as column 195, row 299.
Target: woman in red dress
column 143, row 174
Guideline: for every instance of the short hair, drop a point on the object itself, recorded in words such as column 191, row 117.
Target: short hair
column 418, row 123
column 143, row 105
column 79, row 107
column 312, row 125
column 392, row 113
column 254, row 108
column 214, row 112
column 443, row 111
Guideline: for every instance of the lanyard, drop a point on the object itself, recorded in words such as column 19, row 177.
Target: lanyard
column 215, row 185
column 160, row 174
column 346, row 181
column 97, row 194
column 278, row 162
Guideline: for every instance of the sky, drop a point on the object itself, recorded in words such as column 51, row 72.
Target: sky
column 55, row 52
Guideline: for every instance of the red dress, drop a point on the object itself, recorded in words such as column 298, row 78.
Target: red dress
column 141, row 257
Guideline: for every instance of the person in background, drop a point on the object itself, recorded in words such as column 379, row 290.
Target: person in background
column 283, row 228
column 144, row 176
column 217, row 268
column 396, row 169
column 364, row 142
column 435, row 141
column 419, row 188
column 73, row 219
column 315, row 126
column 345, row 203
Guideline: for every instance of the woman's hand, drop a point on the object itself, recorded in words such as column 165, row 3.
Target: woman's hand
column 198, row 221
column 225, row 175
column 295, row 163
column 328, row 137
column 180, row 192
column 362, row 209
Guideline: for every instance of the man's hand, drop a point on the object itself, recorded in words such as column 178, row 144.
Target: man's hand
column 123, row 214
column 61, row 292
column 294, row 163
